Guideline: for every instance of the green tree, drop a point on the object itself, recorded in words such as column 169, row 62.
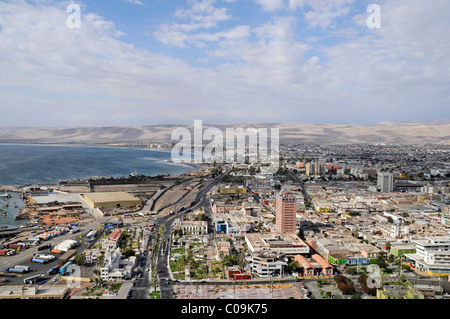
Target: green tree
column 79, row 259
column 294, row 266
column 127, row 252
column 230, row 260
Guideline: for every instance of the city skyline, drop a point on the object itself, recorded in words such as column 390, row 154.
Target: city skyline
column 231, row 61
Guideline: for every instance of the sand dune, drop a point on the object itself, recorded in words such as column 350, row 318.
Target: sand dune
column 400, row 133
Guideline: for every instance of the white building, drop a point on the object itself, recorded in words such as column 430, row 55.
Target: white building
column 385, row 182
column 395, row 218
column 115, row 268
column 432, row 255
column 275, row 243
column 266, row 267
column 192, row 227
column 111, row 241
column 399, row 231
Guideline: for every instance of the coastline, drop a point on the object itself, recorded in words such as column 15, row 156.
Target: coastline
column 16, row 187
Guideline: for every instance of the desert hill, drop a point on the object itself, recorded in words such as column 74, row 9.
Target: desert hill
column 398, row 133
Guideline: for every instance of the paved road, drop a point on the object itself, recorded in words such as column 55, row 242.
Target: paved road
column 164, row 249
column 300, row 182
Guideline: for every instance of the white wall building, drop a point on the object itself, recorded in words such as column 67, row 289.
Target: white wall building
column 399, row 231
column 385, row 182
column 275, row 243
column 115, row 268
column 266, row 267
column 432, row 254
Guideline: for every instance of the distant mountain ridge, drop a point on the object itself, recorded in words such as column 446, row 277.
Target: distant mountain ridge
column 434, row 132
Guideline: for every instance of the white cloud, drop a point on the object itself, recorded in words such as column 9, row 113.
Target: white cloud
column 53, row 74
column 271, row 5
column 322, row 13
column 203, row 14
column 311, row 64
column 200, row 15
column 135, row 2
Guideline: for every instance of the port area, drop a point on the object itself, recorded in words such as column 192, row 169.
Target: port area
column 65, row 202
column 53, row 214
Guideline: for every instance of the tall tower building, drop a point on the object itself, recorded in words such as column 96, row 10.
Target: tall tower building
column 385, row 182
column 286, row 212
column 315, row 168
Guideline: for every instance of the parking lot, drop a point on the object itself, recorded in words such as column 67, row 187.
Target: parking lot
column 23, row 258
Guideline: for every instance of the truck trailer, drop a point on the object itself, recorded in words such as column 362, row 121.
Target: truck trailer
column 6, row 252
column 41, row 256
column 39, row 260
column 63, row 269
column 18, row 269
column 48, row 246
column 33, row 279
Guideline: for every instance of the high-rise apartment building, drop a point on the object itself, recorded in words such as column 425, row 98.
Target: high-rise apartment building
column 286, row 212
column 314, row 168
column 385, row 182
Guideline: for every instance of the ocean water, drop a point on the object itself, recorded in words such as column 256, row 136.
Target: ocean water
column 47, row 164
column 10, row 208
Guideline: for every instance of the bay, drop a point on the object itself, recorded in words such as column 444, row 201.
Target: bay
column 25, row 164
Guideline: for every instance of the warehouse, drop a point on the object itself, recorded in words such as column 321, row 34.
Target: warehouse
column 111, row 200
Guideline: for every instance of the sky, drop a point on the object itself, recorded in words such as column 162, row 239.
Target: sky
column 149, row 62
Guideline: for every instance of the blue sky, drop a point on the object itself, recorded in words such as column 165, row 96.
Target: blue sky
column 145, row 62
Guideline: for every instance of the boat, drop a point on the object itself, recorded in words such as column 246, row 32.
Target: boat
column 22, row 215
column 6, row 195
